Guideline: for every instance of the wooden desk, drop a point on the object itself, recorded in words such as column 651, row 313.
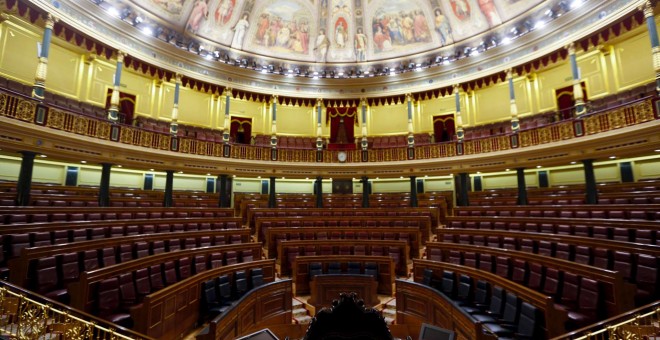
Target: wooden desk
column 327, row 287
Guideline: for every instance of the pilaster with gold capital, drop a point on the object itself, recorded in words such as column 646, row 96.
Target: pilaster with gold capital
column 460, row 134
column 41, row 73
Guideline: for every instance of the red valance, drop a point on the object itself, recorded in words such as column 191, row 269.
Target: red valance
column 346, row 112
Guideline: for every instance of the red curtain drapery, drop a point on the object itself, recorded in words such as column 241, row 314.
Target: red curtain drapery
column 240, row 130
column 126, row 106
column 566, row 101
column 443, row 128
column 334, row 115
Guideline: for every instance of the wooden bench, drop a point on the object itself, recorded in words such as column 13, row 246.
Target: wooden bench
column 553, row 316
column 269, row 305
column 411, row 235
column 288, row 250
column 622, row 211
column 385, row 265
column 618, row 297
column 18, row 267
column 174, row 311
column 423, row 223
column 639, row 231
column 254, row 213
column 32, row 214
column 325, row 288
column 82, row 292
column 633, row 197
column 463, row 235
column 417, row 304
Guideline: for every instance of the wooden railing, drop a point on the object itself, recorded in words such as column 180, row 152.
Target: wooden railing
column 172, row 312
column 28, row 110
column 269, row 305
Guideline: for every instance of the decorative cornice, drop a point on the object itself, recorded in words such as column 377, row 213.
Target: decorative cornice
column 573, row 25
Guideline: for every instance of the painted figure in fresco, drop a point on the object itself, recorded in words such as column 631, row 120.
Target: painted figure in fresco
column 172, row 6
column 489, row 10
column 262, row 29
column 382, row 40
column 239, row 32
column 395, row 31
column 275, row 26
column 442, row 27
column 283, row 36
column 341, row 28
column 407, row 27
column 200, row 11
column 224, row 11
column 322, row 45
column 461, row 9
column 360, row 45
column 303, row 35
column 420, row 27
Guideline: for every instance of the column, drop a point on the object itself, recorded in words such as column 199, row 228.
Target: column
column 590, row 182
column 319, row 131
column 24, row 184
column 227, row 123
column 39, row 87
column 271, row 194
column 365, row 191
column 577, row 87
column 174, row 125
column 411, row 136
column 459, row 120
column 318, row 184
column 462, row 186
column 113, row 112
column 515, row 124
column 413, row 191
column 273, row 137
column 223, row 198
column 104, row 187
column 522, row 186
column 364, row 142
column 169, row 186
column 655, row 42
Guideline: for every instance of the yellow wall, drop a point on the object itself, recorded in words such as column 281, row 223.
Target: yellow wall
column 246, row 185
column 646, row 169
column 632, row 59
column 76, row 73
column 297, row 120
column 439, row 184
column 387, row 120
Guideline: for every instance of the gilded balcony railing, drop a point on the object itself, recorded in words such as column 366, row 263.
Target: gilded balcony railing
column 639, row 324
column 25, row 109
column 23, row 317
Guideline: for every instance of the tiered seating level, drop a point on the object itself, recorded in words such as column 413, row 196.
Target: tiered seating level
column 614, row 211
column 645, row 192
column 246, row 202
column 589, row 262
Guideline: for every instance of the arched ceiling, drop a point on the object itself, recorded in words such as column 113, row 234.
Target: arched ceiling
column 278, row 46
column 332, row 31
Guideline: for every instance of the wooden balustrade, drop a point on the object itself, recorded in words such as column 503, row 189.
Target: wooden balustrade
column 82, row 292
column 384, row 264
column 174, row 311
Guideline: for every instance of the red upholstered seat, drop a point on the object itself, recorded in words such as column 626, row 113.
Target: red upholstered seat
column 156, row 278
column 183, row 268
column 199, row 263
column 109, row 303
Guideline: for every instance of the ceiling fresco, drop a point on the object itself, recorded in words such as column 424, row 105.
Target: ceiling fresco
column 328, row 31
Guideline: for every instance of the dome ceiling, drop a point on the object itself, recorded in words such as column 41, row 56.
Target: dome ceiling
column 334, row 30
column 328, row 31
column 309, row 48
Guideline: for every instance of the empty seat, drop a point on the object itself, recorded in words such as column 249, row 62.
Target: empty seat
column 109, row 303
